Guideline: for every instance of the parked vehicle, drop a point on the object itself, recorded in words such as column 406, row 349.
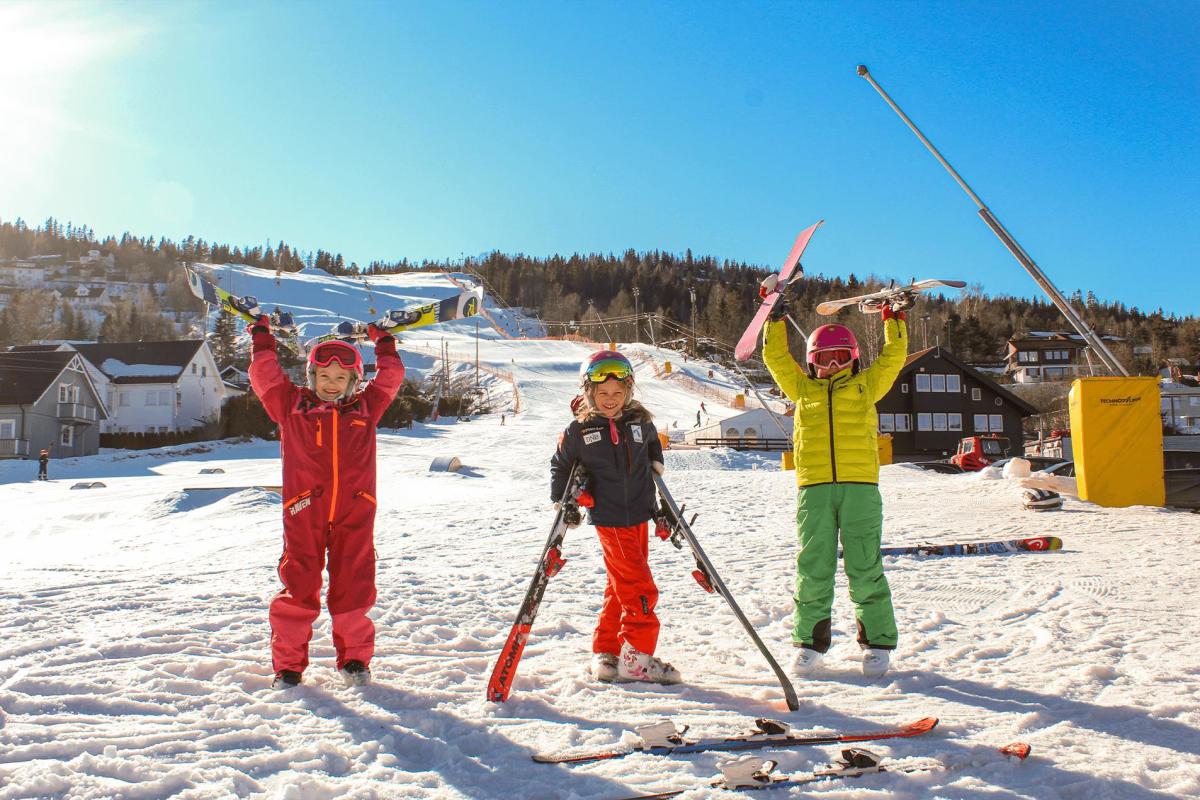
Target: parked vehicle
column 976, row 452
column 943, row 467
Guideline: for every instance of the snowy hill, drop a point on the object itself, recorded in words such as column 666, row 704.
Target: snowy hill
column 134, row 661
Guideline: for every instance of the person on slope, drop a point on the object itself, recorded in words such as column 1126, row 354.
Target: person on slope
column 837, row 470
column 327, row 438
column 615, row 441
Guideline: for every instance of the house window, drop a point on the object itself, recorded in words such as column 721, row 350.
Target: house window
column 1026, row 357
column 903, row 422
column 8, row 429
column 937, row 383
column 924, row 422
column 904, row 388
column 66, row 435
column 193, row 369
column 163, row 429
column 981, row 423
column 732, row 433
column 976, row 394
column 922, row 383
column 750, row 433
column 123, row 398
column 64, row 393
column 954, row 421
column 887, row 423
column 939, row 422
column 997, row 422
column 204, row 372
column 953, row 384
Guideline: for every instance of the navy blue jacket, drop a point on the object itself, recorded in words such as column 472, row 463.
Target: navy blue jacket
column 619, row 476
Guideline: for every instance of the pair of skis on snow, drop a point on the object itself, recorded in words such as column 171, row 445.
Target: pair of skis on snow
column 752, row 772
column 500, row 683
column 791, row 272
column 459, row 306
column 1036, row 544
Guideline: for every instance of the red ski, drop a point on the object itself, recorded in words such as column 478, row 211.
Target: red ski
column 749, row 341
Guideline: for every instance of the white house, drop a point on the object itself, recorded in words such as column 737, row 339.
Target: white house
column 753, row 424
column 22, row 273
column 155, row 387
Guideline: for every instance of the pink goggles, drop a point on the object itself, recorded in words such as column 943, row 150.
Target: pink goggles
column 344, row 354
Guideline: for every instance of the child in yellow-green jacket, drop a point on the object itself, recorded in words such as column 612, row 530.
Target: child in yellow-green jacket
column 837, row 469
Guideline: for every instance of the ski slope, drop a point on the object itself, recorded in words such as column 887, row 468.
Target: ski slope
column 134, row 658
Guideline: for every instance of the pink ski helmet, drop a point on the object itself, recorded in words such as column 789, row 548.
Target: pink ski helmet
column 830, row 339
column 336, row 351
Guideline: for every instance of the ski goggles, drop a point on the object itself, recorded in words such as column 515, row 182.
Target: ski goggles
column 838, row 357
column 345, row 355
column 607, row 368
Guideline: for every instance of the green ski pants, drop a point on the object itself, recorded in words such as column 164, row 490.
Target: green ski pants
column 856, row 510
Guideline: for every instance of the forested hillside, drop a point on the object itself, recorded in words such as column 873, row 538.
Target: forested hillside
column 602, row 292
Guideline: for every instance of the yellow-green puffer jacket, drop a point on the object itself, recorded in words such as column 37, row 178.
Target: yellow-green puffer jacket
column 838, row 445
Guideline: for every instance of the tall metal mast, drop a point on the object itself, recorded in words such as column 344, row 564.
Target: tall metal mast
column 1077, row 322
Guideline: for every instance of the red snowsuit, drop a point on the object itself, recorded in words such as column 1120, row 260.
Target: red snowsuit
column 328, row 452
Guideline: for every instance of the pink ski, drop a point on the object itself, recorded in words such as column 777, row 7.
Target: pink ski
column 749, row 341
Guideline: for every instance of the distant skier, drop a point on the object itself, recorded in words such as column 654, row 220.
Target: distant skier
column 43, row 464
column 614, row 439
column 327, row 434
column 837, row 469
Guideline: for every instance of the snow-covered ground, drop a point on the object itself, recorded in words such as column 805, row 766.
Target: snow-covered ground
column 134, row 645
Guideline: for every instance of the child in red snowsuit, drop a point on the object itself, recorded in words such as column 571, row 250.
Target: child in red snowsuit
column 327, row 439
column 617, row 445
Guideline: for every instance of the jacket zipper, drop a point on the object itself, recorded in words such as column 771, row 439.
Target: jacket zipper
column 334, row 448
column 318, row 431
column 832, row 451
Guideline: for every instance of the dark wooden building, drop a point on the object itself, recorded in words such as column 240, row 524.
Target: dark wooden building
column 938, row 399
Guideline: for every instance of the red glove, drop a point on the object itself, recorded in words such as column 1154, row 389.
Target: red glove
column 375, row 333
column 585, row 499
column 662, row 528
column 261, row 337
column 889, row 313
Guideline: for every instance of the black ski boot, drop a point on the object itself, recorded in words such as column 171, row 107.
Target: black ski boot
column 286, row 678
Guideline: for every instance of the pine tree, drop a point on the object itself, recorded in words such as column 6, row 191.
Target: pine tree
column 223, row 339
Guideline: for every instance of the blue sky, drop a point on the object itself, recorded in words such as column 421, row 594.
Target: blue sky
column 389, row 130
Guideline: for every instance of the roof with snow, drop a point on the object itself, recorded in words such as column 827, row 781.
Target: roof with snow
column 141, row 362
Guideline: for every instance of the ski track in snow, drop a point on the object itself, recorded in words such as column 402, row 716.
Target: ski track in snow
column 134, row 656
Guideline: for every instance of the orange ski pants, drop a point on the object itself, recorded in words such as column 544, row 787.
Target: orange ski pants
column 630, row 595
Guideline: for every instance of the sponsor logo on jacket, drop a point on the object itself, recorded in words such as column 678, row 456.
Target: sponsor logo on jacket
column 637, row 433
column 591, row 438
column 299, row 506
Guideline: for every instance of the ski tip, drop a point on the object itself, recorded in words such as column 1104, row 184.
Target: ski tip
column 924, row 725
column 1020, row 750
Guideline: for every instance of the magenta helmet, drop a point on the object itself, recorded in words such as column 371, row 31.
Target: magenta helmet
column 829, row 339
